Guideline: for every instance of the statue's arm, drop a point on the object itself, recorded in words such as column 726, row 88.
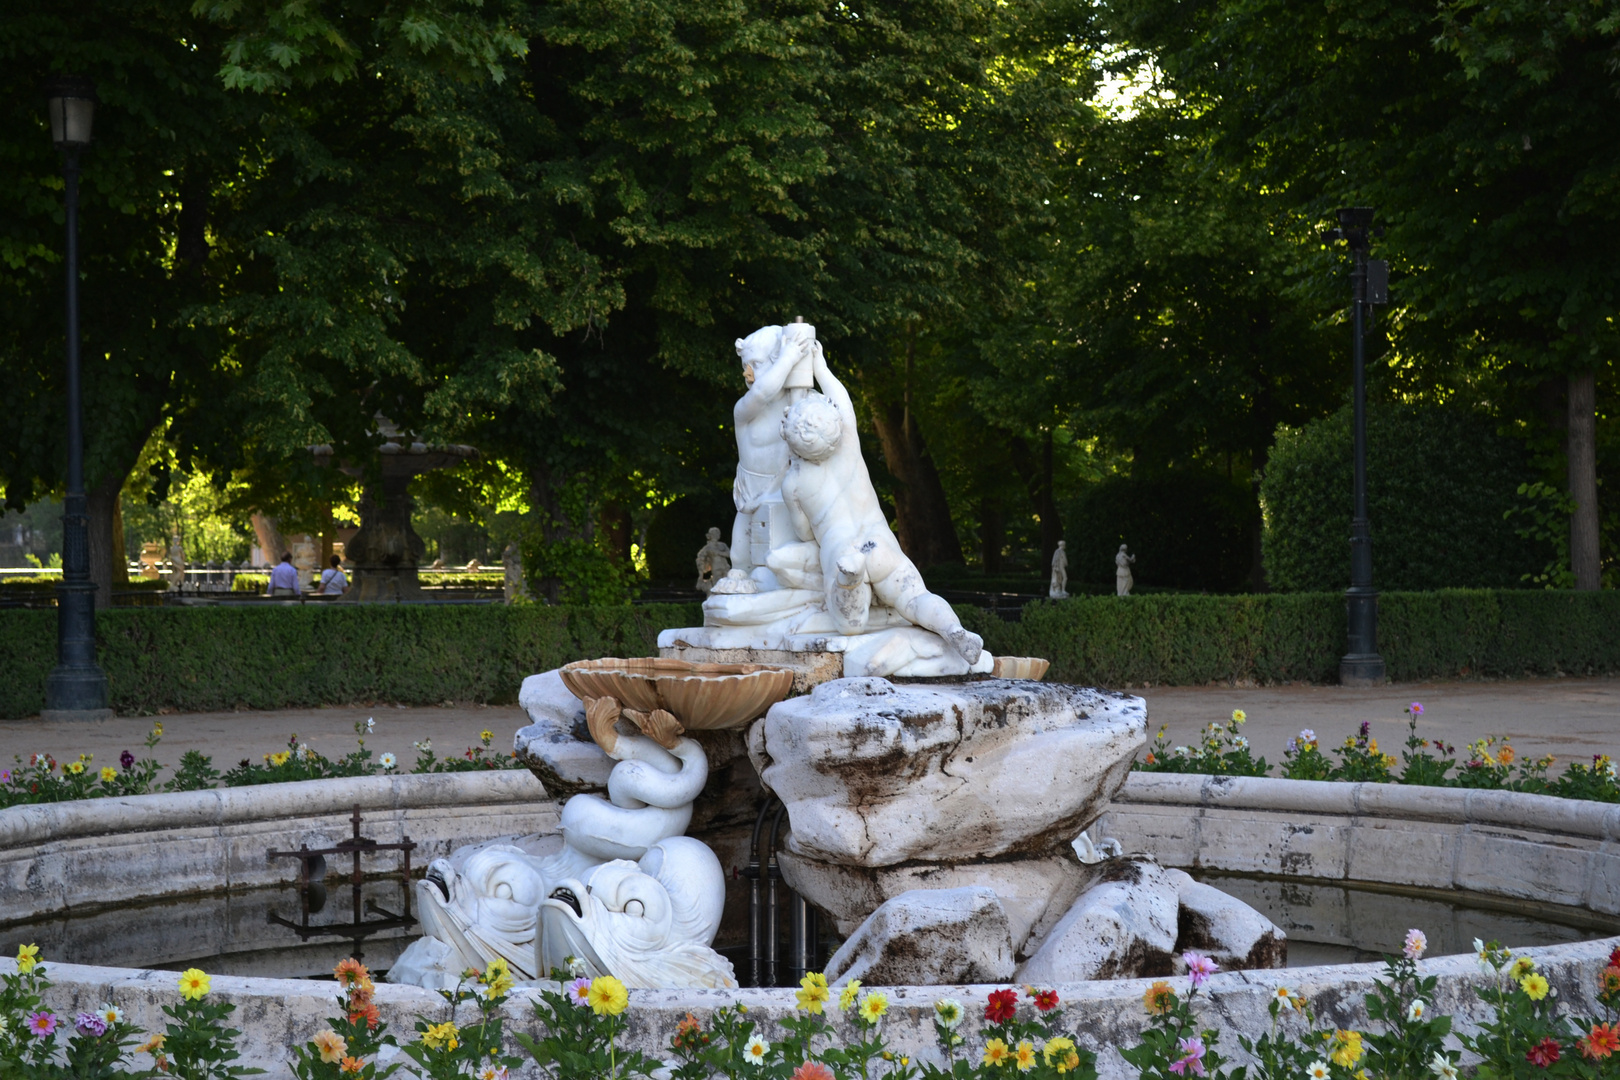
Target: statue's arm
column 767, row 388
column 832, row 387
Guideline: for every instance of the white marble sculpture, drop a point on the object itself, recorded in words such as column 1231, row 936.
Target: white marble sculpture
column 713, row 562
column 1122, row 572
column 1059, row 588
column 626, row 894
column 825, row 572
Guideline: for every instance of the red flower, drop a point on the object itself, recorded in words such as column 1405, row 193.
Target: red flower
column 1003, row 1006
column 1544, row 1053
column 1614, row 957
column 1046, row 1000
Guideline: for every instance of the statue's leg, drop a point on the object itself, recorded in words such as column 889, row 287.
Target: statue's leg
column 849, row 593
column 902, row 588
column 741, row 556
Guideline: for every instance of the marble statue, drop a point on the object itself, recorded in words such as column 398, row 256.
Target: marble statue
column 177, row 565
column 626, row 894
column 713, row 562
column 514, row 585
column 1122, row 572
column 1059, row 588
column 825, row 574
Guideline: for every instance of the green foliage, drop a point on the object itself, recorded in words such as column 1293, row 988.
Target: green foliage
column 1438, row 516
column 1189, row 529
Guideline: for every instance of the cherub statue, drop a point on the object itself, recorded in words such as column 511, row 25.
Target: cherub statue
column 770, row 356
column 713, row 562
column 1122, row 572
column 831, row 504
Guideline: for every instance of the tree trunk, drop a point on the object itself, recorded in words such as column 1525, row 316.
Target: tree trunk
column 992, row 533
column 615, row 524
column 101, row 507
column 1257, row 526
column 271, row 544
column 1582, row 454
column 1036, row 472
column 922, row 516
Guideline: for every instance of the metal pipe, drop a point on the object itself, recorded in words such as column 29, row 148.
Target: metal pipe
column 754, row 913
column 773, row 874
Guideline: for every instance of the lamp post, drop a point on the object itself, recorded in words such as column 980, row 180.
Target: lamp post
column 77, row 688
column 1361, row 666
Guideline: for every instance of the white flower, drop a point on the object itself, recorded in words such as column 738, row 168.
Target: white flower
column 425, row 745
column 1307, row 735
column 371, row 724
column 492, row 1072
column 948, row 1011
column 754, row 1053
column 1417, row 1010
column 387, row 761
column 1241, row 742
column 1442, row 1067
column 305, row 752
column 576, row 966
column 1285, row 998
column 1181, row 751
column 1415, row 944
column 110, row 1013
column 1317, row 1070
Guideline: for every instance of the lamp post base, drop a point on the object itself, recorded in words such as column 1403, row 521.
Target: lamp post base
column 1364, row 670
column 76, row 693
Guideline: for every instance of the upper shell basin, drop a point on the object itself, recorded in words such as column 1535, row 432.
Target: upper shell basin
column 703, row 697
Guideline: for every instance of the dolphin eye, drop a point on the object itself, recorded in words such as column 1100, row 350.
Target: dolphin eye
column 503, row 891
column 635, row 907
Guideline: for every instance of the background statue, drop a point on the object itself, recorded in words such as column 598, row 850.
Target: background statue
column 1122, row 572
column 713, row 562
column 1059, row 588
column 831, row 503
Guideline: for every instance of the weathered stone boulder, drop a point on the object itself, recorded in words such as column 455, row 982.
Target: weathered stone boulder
column 875, row 774
column 1123, row 927
column 1224, row 928
column 556, row 745
column 929, row 937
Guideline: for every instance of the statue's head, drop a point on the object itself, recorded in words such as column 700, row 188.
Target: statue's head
column 713, row 533
column 758, row 350
column 812, row 427
column 1122, row 549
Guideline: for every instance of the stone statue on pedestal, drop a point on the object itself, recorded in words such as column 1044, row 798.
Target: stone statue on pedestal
column 1122, row 572
column 177, row 564
column 713, row 562
column 1059, row 588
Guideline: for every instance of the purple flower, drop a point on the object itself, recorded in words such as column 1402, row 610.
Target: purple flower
column 579, row 991
column 90, row 1024
column 126, row 759
column 1192, row 1060
column 1291, row 748
column 1199, row 969
column 5, row 776
column 42, row 1024
column 1416, row 708
column 1365, row 727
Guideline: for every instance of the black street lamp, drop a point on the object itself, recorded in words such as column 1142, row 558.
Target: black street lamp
column 1361, row 666
column 77, row 688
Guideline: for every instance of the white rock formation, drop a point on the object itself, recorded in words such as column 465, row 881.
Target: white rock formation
column 1123, row 927
column 1224, row 928
column 556, row 746
column 874, row 774
column 929, row 937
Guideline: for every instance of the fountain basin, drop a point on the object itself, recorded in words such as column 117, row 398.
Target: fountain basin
column 703, row 697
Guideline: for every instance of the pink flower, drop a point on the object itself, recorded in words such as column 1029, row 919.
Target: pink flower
column 1199, row 968
column 1544, row 1053
column 1415, row 709
column 1415, row 944
column 1192, row 1060
column 90, row 1024
column 41, row 1024
column 579, row 991
column 813, row 1070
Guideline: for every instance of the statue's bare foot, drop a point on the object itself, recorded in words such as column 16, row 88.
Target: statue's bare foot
column 965, row 642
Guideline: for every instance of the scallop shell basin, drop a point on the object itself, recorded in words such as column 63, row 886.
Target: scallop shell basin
column 703, row 697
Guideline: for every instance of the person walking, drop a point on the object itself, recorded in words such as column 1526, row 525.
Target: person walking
column 284, row 578
column 334, row 582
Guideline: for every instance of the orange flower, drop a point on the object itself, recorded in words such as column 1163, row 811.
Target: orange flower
column 687, row 1032
column 1609, row 979
column 1151, row 760
column 367, row 1012
column 351, row 1065
column 1600, row 1042
column 351, row 972
column 1159, row 998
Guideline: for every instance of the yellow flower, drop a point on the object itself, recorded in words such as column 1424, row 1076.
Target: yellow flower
column 486, row 735
column 1346, row 1047
column 1239, row 716
column 1056, row 1046
column 847, row 998
column 1024, row 1056
column 441, row 1036
column 813, row 993
column 1534, row 986
column 108, row 774
column 331, row 1045
column 497, row 979
column 193, row 984
column 152, row 1045
column 607, row 996
column 873, row 1006
column 280, row 758
column 27, row 957
column 1522, row 966
column 996, row 1053
column 1159, row 998
column 157, row 729
column 75, row 767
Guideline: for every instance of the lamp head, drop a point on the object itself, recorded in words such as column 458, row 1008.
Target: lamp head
column 1355, row 226
column 71, row 103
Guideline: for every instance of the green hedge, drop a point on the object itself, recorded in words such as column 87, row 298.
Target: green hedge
column 273, row 657
column 205, row 658
column 1299, row 637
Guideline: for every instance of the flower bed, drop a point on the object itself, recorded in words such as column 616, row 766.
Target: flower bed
column 578, row 1028
column 1489, row 763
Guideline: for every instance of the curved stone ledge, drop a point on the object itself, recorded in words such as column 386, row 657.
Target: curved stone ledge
column 1501, row 843
column 94, row 852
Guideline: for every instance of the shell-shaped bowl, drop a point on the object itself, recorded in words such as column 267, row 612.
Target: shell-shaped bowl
column 703, row 697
